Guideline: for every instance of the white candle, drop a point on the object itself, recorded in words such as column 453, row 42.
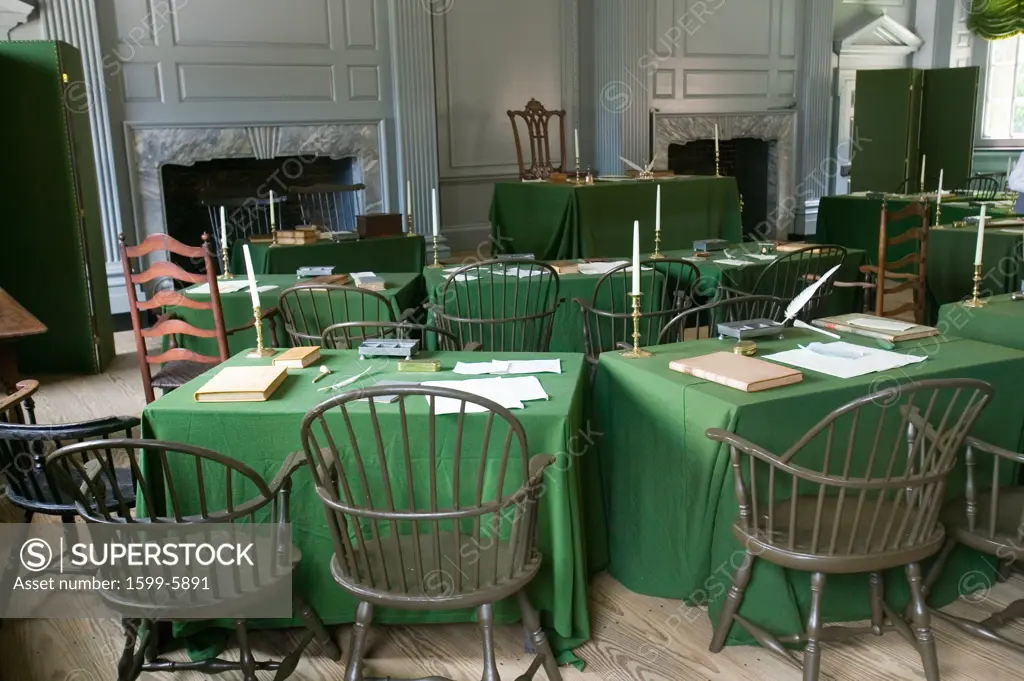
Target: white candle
column 924, row 162
column 576, row 133
column 716, row 139
column 938, row 192
column 981, row 237
column 252, row 277
column 657, row 211
column 1009, row 169
column 636, row 257
column 223, row 227
column 272, row 221
column 408, row 197
column 433, row 209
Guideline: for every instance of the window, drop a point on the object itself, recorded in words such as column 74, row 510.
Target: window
column 1004, row 90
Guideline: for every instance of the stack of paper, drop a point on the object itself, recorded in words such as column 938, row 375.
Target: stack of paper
column 761, row 256
column 605, row 267
column 512, row 367
column 730, row 261
column 508, row 392
column 523, row 272
column 844, row 360
column 228, row 287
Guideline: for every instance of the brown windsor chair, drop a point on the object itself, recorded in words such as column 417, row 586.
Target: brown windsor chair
column 309, row 309
column 216, row 507
column 179, row 366
column 608, row 315
column 872, row 508
column 789, row 274
column 990, row 521
column 537, row 120
column 340, row 336
column 702, row 322
column 329, row 207
column 481, row 304
column 979, row 188
column 440, row 522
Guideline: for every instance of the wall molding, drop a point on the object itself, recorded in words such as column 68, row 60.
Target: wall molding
column 815, row 101
column 13, row 13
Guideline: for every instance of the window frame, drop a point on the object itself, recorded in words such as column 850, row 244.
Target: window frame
column 979, row 57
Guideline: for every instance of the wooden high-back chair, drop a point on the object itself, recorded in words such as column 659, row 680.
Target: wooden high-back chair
column 537, row 120
column 179, row 366
column 909, row 272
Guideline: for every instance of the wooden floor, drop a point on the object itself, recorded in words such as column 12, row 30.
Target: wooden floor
column 634, row 638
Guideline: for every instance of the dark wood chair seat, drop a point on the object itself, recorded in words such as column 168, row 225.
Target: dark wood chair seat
column 177, row 373
column 38, row 480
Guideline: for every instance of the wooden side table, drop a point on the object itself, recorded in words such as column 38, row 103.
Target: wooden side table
column 15, row 322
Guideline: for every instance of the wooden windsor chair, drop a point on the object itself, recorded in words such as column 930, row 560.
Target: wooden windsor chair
column 329, row 207
column 789, row 274
column 608, row 315
column 179, row 366
column 872, row 507
column 439, row 521
column 196, row 509
column 490, row 304
column 979, row 188
column 348, row 335
column 537, row 121
column 702, row 322
column 309, row 309
column 987, row 520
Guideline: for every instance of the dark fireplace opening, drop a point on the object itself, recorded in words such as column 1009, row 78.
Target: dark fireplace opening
column 194, row 194
column 744, row 158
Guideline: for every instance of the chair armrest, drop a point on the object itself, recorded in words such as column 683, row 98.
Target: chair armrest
column 25, row 390
column 982, row 446
column 409, row 314
column 854, row 284
column 473, row 346
column 292, row 463
column 742, row 444
column 266, row 315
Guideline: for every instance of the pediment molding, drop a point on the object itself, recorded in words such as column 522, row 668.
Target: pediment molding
column 13, row 13
column 880, row 37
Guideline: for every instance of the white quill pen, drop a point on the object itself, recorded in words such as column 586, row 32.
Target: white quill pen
column 631, row 164
column 800, row 302
column 650, row 166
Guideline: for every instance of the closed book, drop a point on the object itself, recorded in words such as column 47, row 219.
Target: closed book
column 370, row 283
column 748, row 374
column 566, row 266
column 870, row 326
column 242, row 384
column 298, row 358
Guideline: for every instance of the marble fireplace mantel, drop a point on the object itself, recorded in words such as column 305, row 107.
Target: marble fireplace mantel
column 152, row 147
column 777, row 127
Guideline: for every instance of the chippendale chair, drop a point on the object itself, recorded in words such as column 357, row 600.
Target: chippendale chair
column 206, row 491
column 420, row 524
column 859, row 493
column 608, row 315
column 537, row 121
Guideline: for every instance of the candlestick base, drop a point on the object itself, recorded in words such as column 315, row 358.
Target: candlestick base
column 226, row 276
column 974, row 302
column 435, row 266
column 258, row 353
column 657, row 256
column 636, row 354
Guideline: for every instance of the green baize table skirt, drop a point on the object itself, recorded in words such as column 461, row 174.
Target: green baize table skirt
column 999, row 322
column 388, row 254
column 560, row 221
column 262, row 434
column 669, row 493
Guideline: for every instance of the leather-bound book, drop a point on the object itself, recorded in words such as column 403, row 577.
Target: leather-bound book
column 748, row 374
column 242, row 384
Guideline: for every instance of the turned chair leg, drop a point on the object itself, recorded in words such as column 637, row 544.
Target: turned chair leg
column 876, row 591
column 546, row 657
column 922, row 623
column 485, row 617
column 364, row 616
column 245, row 656
column 126, row 668
column 312, row 620
column 732, row 603
column 812, row 651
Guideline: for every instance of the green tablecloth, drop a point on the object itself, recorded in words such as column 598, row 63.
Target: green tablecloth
column 1000, row 322
column 567, row 326
column 560, row 221
column 405, row 290
column 391, row 254
column 261, row 434
column 669, row 491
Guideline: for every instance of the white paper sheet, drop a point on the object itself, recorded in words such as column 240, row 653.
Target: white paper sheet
column 508, row 392
column 222, row 286
column 512, row 367
column 523, row 272
column 362, row 275
column 875, row 324
column 730, row 261
column 761, row 256
column 1019, row 230
column 465, row 277
column 601, row 267
column 843, row 360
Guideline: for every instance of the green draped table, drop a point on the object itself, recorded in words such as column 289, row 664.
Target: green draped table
column 560, row 221
column 390, row 254
column 669, row 493
column 1000, row 322
column 404, row 290
column 262, row 434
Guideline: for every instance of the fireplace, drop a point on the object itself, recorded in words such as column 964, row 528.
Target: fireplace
column 744, row 158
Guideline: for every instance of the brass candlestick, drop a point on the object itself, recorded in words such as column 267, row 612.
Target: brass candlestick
column 579, row 178
column 260, row 351
column 938, row 212
column 636, row 352
column 408, row 225
column 227, row 264
column 717, row 170
column 657, row 246
column 976, row 300
column 273, row 226
column 436, row 264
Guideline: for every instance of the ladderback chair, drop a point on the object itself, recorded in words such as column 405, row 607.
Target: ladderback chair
column 502, row 305
column 349, row 335
column 906, row 273
column 790, row 273
column 608, row 315
column 701, row 322
column 537, row 121
column 859, row 493
column 178, row 365
column 309, row 309
column 194, row 491
column 989, row 517
column 429, row 510
column 979, row 188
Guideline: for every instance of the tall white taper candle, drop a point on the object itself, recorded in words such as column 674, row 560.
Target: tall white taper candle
column 576, row 134
column 252, row 277
column 657, row 211
column 223, row 227
column 981, row 237
column 273, row 220
column 716, row 138
column 924, row 162
column 938, row 192
column 636, row 257
column 435, row 216
column 1009, row 169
